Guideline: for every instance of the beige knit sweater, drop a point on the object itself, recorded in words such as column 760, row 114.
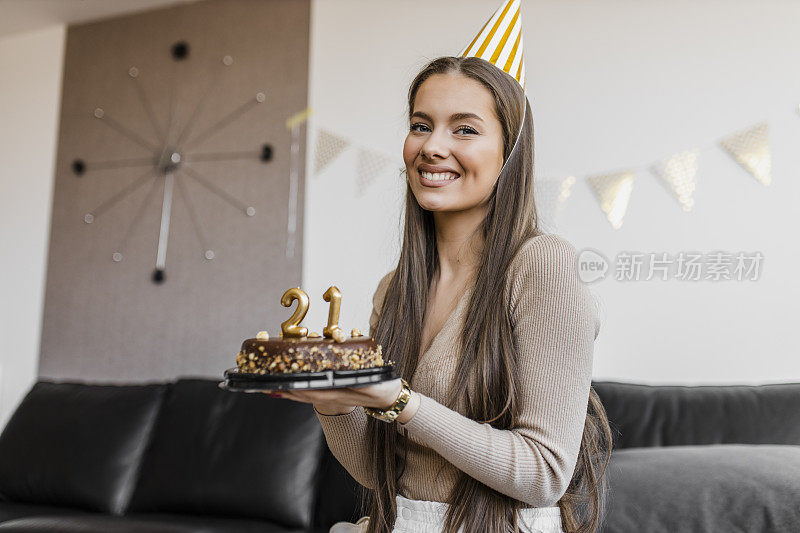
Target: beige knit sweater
column 554, row 326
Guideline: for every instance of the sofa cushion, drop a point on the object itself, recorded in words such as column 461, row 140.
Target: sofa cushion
column 725, row 487
column 77, row 445
column 12, row 510
column 140, row 524
column 231, row 454
column 675, row 415
column 338, row 494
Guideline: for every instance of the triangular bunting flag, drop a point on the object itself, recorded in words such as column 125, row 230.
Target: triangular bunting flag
column 678, row 172
column 329, row 146
column 613, row 192
column 370, row 164
column 550, row 195
column 751, row 149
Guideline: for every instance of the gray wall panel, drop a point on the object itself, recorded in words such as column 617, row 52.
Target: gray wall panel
column 106, row 320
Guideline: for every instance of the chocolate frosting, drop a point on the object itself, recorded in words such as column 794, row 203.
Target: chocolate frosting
column 308, row 354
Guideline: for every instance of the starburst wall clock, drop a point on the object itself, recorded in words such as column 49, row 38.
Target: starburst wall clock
column 174, row 159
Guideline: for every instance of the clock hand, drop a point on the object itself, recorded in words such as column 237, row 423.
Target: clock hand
column 133, row 72
column 205, row 182
column 233, row 115
column 166, row 207
column 117, row 256
column 100, row 114
column 141, row 180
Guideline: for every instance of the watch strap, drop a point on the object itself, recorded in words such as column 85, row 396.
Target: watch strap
column 391, row 414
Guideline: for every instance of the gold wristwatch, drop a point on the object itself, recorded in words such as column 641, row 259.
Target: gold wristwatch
column 391, row 414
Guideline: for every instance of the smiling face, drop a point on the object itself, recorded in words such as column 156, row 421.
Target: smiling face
column 454, row 149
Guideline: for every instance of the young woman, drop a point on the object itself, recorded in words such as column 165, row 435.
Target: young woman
column 491, row 327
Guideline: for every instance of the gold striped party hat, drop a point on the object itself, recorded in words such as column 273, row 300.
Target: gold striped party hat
column 500, row 41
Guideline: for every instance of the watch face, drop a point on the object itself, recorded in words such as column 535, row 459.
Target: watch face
column 383, row 417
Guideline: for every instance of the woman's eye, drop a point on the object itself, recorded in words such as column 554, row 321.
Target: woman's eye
column 422, row 127
column 467, row 129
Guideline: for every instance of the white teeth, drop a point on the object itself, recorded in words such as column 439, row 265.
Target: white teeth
column 439, row 176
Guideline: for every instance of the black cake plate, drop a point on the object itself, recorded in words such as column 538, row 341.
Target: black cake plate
column 238, row 381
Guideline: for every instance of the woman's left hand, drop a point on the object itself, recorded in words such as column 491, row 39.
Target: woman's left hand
column 379, row 396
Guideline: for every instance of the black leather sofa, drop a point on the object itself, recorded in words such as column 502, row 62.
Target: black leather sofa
column 186, row 456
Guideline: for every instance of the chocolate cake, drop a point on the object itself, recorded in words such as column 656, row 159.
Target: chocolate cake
column 314, row 353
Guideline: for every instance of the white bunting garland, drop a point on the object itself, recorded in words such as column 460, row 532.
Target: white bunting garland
column 370, row 163
column 613, row 192
column 751, row 149
column 678, row 174
column 329, row 147
column 550, row 196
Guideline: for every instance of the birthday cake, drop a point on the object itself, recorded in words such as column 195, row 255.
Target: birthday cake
column 314, row 353
column 298, row 350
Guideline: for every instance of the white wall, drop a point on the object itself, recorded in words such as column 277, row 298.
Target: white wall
column 30, row 95
column 612, row 84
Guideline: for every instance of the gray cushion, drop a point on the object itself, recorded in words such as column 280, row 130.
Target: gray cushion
column 683, row 415
column 725, row 488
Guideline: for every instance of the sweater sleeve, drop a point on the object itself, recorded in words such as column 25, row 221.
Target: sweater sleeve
column 346, row 434
column 554, row 326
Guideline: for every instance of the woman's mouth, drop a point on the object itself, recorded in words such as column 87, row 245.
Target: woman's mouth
column 437, row 179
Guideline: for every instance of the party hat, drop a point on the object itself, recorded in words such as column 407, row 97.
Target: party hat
column 500, row 41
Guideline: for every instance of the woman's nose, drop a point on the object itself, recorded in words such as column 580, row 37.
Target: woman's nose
column 436, row 145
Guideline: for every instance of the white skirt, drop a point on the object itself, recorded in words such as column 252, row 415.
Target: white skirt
column 420, row 516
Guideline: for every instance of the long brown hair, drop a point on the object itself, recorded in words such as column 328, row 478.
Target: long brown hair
column 489, row 356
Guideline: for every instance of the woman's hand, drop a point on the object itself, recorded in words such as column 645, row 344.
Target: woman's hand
column 344, row 400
